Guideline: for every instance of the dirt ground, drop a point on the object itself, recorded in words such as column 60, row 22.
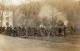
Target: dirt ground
column 70, row 43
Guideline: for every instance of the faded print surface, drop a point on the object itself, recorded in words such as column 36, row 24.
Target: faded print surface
column 39, row 25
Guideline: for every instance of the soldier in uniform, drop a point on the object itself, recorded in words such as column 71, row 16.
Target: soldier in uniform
column 64, row 30
column 60, row 31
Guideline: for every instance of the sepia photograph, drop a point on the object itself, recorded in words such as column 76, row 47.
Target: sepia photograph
column 39, row 25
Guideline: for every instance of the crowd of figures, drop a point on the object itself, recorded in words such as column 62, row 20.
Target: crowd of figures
column 34, row 31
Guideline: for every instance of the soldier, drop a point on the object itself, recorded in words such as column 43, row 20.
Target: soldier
column 29, row 31
column 56, row 32
column 4, row 29
column 60, row 31
column 64, row 30
column 23, row 31
column 0, row 30
column 15, row 31
column 52, row 31
column 8, row 31
column 42, row 31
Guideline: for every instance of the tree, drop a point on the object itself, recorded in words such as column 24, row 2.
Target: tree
column 60, row 23
column 26, row 13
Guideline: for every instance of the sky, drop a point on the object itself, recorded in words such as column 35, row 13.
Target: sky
column 16, row 2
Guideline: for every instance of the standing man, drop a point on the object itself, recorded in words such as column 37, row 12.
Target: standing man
column 60, row 31
column 64, row 30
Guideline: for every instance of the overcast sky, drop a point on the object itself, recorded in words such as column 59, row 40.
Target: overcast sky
column 18, row 2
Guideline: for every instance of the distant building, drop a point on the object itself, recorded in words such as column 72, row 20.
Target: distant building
column 0, row 18
column 7, row 18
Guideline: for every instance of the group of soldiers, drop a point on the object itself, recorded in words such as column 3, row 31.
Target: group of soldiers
column 34, row 31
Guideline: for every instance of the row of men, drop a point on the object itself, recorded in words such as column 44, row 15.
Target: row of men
column 33, row 31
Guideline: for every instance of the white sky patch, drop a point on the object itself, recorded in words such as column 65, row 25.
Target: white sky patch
column 76, row 0
column 11, row 2
column 17, row 2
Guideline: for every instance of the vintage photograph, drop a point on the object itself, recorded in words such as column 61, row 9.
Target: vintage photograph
column 39, row 25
